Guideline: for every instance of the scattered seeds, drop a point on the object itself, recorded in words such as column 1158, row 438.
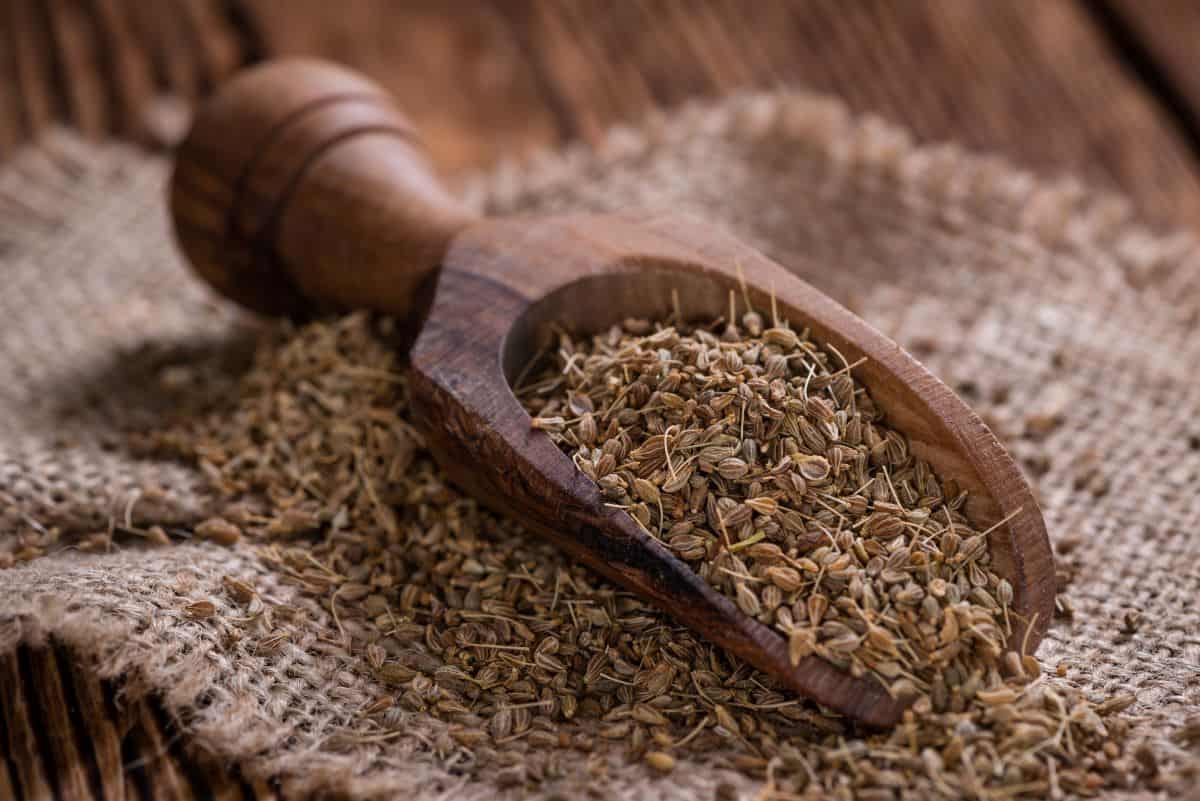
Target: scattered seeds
column 531, row 661
column 239, row 590
column 219, row 531
column 200, row 610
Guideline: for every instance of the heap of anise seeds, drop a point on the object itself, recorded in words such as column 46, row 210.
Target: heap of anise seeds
column 758, row 459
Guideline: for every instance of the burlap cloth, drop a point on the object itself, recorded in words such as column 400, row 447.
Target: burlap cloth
column 1067, row 324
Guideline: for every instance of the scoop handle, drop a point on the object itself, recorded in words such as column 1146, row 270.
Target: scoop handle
column 302, row 187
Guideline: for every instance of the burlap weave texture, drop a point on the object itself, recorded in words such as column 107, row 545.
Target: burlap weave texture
column 1066, row 323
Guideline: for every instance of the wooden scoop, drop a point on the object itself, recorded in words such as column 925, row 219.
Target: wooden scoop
column 302, row 187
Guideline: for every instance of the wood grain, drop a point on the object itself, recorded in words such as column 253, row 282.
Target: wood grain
column 30, row 764
column 94, row 724
column 1040, row 82
column 66, row 735
column 1032, row 80
column 99, row 65
column 56, row 733
column 8, row 785
column 326, row 173
column 74, row 40
column 33, row 59
column 13, row 132
column 1036, row 81
column 128, row 78
column 462, row 77
column 1168, row 33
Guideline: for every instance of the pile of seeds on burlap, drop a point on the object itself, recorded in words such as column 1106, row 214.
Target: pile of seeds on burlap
column 537, row 665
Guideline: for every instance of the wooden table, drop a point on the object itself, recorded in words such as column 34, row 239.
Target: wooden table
column 1100, row 88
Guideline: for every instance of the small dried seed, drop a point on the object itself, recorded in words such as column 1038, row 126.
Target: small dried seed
column 219, row 530
column 239, row 590
column 660, row 761
column 200, row 610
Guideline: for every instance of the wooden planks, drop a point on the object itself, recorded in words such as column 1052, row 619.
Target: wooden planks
column 52, row 712
column 74, row 40
column 97, row 65
column 1168, row 34
column 1039, row 82
column 95, row 723
column 67, row 736
column 461, row 75
column 27, row 769
column 1034, row 81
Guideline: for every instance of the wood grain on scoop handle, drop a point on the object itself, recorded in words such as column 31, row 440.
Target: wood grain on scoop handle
column 302, row 187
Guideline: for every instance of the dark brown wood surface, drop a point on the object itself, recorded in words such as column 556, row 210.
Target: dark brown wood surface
column 1101, row 88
